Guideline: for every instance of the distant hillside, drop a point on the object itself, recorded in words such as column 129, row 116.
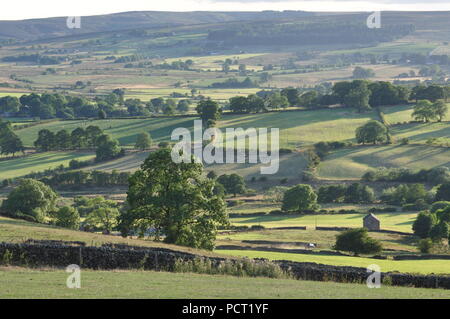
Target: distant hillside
column 430, row 25
column 55, row 27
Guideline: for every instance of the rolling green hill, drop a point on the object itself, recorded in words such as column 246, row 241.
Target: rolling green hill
column 297, row 128
column 354, row 162
column 39, row 162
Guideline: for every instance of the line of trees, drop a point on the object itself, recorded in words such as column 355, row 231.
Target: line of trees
column 106, row 147
column 79, row 138
column 359, row 94
column 114, row 104
column 435, row 176
column 77, row 179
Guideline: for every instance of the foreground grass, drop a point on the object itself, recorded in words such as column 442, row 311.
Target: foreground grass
column 391, row 221
column 405, row 266
column 51, row 283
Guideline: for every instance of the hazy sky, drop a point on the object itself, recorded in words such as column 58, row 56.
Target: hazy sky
column 26, row 9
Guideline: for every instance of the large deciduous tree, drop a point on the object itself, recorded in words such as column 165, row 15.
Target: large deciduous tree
column 175, row 201
column 424, row 111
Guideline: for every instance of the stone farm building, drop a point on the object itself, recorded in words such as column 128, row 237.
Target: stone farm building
column 371, row 222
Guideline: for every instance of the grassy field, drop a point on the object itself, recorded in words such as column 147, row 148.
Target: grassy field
column 391, row 221
column 128, row 163
column 306, row 127
column 296, row 128
column 290, row 168
column 421, row 132
column 125, row 131
column 398, row 113
column 39, row 162
column 146, row 94
column 354, row 162
column 409, row 266
column 324, row 240
column 51, row 283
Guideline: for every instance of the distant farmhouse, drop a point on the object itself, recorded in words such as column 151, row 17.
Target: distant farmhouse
column 371, row 222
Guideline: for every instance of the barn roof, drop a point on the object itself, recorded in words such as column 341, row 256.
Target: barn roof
column 371, row 216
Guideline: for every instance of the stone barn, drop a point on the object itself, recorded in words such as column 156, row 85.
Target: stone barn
column 371, row 222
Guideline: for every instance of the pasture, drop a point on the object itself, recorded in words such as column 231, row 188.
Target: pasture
column 38, row 162
column 435, row 266
column 323, row 239
column 352, row 163
column 51, row 283
column 297, row 128
column 421, row 132
column 391, row 221
column 125, row 130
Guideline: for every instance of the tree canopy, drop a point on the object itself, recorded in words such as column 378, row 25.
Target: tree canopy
column 371, row 132
column 173, row 200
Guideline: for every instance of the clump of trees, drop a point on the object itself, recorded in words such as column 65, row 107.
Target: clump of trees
column 143, row 141
column 407, row 194
column 363, row 73
column 364, row 95
column 79, row 179
column 107, row 148
column 358, row 242
column 431, row 93
column 234, row 83
column 434, row 224
column 443, row 192
column 355, row 193
column 427, row 111
column 34, row 201
column 372, row 132
column 299, row 198
column 232, row 184
column 209, row 111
